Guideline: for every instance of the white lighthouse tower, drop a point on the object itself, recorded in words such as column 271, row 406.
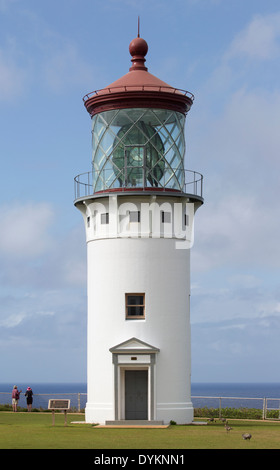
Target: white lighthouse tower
column 138, row 203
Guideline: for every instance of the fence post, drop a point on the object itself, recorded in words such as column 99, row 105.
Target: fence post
column 264, row 408
column 79, row 402
column 220, row 407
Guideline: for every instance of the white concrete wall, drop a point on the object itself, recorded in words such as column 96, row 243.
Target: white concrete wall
column 153, row 266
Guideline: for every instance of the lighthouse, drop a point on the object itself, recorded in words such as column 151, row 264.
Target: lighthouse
column 138, row 203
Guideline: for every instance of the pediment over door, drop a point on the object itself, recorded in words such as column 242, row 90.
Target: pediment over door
column 134, row 346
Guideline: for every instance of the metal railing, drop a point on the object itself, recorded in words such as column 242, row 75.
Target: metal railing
column 127, row 88
column 87, row 184
column 41, row 400
column 78, row 402
column 268, row 406
column 221, row 403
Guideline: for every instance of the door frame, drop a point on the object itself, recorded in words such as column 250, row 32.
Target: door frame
column 123, row 370
column 133, row 355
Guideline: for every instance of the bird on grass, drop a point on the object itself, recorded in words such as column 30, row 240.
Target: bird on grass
column 246, row 436
column 227, row 428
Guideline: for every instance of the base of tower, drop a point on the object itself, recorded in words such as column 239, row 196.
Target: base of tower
column 98, row 413
column 179, row 413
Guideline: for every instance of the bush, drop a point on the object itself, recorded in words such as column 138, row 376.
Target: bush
column 237, row 413
column 6, row 407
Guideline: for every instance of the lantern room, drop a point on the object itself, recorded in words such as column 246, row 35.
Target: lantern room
column 138, row 137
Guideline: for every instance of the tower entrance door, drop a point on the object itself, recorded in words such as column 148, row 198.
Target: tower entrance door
column 136, row 394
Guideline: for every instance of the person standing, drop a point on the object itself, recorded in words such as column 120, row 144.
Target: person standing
column 29, row 398
column 15, row 397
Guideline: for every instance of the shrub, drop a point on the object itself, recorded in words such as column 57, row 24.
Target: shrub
column 237, row 413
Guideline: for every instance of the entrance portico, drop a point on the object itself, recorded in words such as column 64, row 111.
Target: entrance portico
column 134, row 380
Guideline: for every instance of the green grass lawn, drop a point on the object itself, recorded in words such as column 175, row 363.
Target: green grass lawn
column 36, row 431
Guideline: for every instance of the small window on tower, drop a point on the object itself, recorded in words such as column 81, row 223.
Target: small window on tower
column 135, row 306
column 134, row 216
column 88, row 221
column 166, row 217
column 105, row 218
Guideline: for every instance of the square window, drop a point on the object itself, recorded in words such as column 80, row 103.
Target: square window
column 166, row 217
column 135, row 306
column 105, row 218
column 134, row 216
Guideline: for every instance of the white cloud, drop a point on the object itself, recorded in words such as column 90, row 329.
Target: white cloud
column 269, row 308
column 248, row 281
column 34, row 256
column 24, row 229
column 46, row 316
column 64, row 67
column 248, row 129
column 237, row 231
column 238, row 326
column 12, row 77
column 5, row 4
column 43, row 56
column 12, row 320
column 26, row 308
column 238, row 224
column 259, row 40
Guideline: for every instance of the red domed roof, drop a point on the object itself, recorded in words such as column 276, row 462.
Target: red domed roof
column 138, row 88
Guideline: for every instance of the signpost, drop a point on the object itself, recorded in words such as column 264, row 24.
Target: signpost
column 61, row 405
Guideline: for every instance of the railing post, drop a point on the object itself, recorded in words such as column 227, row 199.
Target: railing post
column 79, row 402
column 264, row 409
column 220, row 407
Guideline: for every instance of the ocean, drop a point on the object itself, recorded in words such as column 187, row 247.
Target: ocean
column 46, row 387
column 235, row 395
column 251, row 390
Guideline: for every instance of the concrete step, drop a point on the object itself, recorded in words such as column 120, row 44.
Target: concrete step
column 133, row 422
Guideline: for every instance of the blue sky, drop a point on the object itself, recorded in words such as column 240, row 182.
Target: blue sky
column 227, row 53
